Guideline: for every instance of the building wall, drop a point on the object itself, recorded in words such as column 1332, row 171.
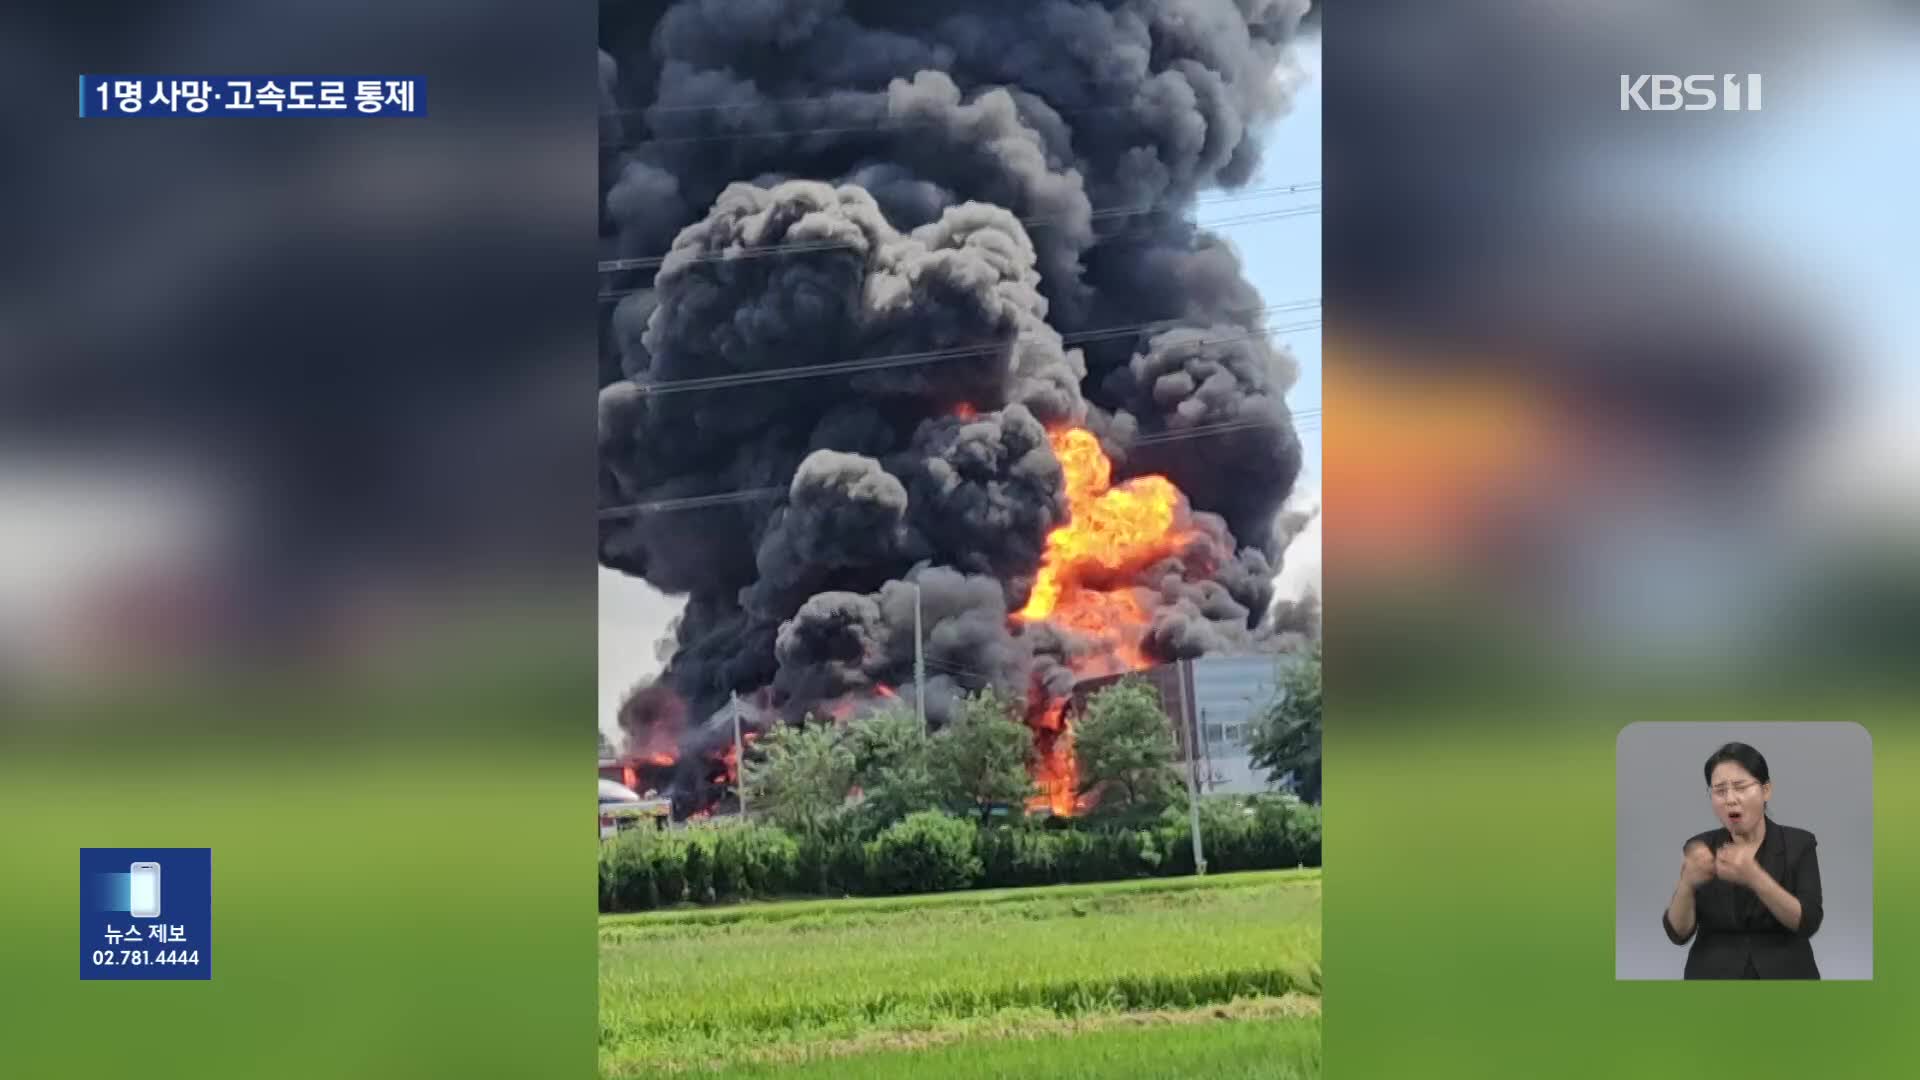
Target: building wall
column 1227, row 694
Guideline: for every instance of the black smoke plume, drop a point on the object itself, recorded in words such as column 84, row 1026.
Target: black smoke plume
column 819, row 183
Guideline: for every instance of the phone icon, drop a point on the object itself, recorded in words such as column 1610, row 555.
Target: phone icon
column 143, row 893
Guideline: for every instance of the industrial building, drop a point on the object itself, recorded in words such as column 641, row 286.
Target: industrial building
column 1214, row 703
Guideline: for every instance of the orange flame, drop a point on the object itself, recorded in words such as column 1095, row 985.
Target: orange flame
column 1112, row 532
column 1055, row 769
column 887, row 692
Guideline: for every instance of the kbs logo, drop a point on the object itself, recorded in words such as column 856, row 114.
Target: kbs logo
column 1694, row 93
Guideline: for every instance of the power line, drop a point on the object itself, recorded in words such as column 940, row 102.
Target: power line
column 722, row 498
column 1208, row 200
column 1144, row 79
column 694, row 502
column 876, row 363
column 1201, row 430
column 644, row 261
column 884, row 127
column 854, row 367
column 655, row 261
column 754, row 253
column 951, row 668
column 934, row 661
column 628, row 143
column 743, row 378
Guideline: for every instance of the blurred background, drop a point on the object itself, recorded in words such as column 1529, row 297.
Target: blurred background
column 296, row 542
column 1636, row 379
column 1618, row 430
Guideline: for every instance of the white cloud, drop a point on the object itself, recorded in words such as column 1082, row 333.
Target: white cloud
column 633, row 617
column 1300, row 562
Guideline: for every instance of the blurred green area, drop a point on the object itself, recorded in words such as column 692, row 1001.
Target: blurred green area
column 1470, row 911
column 1287, row 1049
column 402, row 868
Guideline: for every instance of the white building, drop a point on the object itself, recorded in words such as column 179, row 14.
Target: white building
column 1229, row 694
column 1224, row 697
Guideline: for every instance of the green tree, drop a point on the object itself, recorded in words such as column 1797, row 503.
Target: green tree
column 799, row 776
column 1124, row 744
column 1286, row 738
column 892, row 765
column 980, row 757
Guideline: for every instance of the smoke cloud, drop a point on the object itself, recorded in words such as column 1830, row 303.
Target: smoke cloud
column 868, row 256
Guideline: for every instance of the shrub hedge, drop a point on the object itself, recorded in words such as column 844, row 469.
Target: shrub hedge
column 926, row 851
column 930, row 851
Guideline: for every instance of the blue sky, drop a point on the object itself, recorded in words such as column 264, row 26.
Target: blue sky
column 1827, row 195
column 1283, row 257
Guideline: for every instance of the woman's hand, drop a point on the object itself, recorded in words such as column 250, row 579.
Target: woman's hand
column 1735, row 864
column 1696, row 869
column 1697, row 866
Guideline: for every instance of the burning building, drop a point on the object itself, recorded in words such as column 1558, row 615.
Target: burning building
column 908, row 330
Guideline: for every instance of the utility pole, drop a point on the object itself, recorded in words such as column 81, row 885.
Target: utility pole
column 1206, row 751
column 739, row 754
column 1193, row 762
column 919, row 661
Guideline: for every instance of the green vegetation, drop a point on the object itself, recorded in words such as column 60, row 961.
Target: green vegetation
column 1039, row 981
column 893, row 766
column 929, row 851
column 881, row 807
column 924, row 851
column 800, row 776
column 1126, row 751
column 1030, row 902
column 980, row 759
column 1286, row 738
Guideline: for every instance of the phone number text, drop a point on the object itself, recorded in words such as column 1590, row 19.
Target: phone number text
column 139, row 957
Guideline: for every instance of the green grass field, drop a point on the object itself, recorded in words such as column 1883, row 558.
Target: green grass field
column 1215, row 977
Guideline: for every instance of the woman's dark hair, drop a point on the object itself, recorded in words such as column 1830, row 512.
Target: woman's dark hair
column 1742, row 755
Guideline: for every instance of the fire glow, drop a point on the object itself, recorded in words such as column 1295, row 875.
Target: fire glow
column 1111, row 532
column 1055, row 769
column 1084, row 584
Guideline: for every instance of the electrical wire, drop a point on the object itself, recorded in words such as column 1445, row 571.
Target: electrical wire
column 1105, row 213
column 724, row 498
column 878, row 363
column 736, row 254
